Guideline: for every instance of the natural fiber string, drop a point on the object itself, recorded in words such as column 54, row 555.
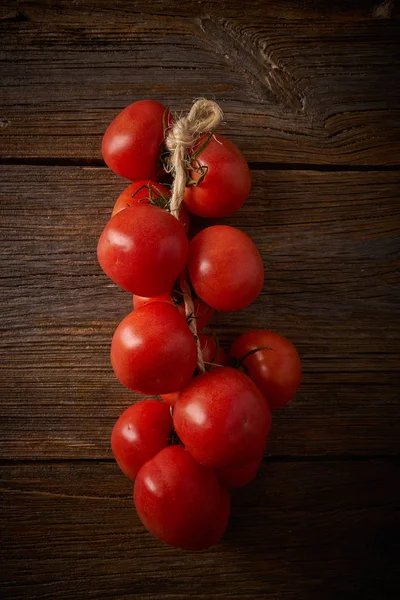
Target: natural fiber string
column 203, row 117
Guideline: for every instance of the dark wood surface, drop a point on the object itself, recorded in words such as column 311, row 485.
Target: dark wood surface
column 311, row 94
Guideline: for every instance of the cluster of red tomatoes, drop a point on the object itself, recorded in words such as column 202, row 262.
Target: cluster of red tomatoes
column 222, row 417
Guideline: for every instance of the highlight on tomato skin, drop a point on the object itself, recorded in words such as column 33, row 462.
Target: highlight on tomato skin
column 272, row 362
column 140, row 432
column 181, row 502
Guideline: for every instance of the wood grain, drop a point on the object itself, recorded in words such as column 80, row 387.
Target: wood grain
column 300, row 531
column 329, row 242
column 297, row 84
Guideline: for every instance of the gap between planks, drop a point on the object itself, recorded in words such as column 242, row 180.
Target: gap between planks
column 254, row 166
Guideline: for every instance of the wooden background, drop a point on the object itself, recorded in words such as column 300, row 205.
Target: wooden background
column 311, row 94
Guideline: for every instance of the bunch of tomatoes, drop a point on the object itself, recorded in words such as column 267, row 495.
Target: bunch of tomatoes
column 208, row 432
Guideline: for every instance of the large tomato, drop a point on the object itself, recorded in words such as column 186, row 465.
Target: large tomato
column 148, row 192
column 143, row 249
column 272, row 362
column 225, row 267
column 153, row 350
column 233, row 477
column 132, row 142
column 222, row 418
column 220, row 175
column 139, row 434
column 181, row 502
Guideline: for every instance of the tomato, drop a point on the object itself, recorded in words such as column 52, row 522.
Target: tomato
column 139, row 434
column 133, row 141
column 233, row 477
column 140, row 192
column 139, row 301
column 222, row 418
column 153, row 350
column 222, row 178
column 202, row 313
column 143, row 249
column 181, row 502
column 211, row 354
column 276, row 369
column 212, row 351
column 148, row 192
column 225, row 267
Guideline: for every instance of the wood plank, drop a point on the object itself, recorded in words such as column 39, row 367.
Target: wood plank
column 70, row 532
column 329, row 242
column 298, row 84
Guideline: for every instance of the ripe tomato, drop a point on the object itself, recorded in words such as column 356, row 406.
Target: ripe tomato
column 181, row 502
column 132, row 142
column 222, row 178
column 225, row 267
column 148, row 192
column 139, row 434
column 212, row 351
column 276, row 370
column 153, row 350
column 211, row 354
column 233, row 477
column 222, row 418
column 141, row 192
column 139, row 301
column 143, row 249
column 202, row 313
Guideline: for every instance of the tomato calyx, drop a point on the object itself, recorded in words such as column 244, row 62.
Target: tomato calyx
column 238, row 363
column 155, row 197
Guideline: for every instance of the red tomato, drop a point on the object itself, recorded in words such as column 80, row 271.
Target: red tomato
column 225, row 268
column 143, row 249
column 139, row 434
column 233, row 477
column 222, row 418
column 276, row 370
column 181, row 502
column 132, row 142
column 212, row 351
column 223, row 178
column 210, row 354
column 138, row 193
column 139, row 301
column 153, row 350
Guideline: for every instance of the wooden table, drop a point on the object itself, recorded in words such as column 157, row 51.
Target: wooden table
column 310, row 92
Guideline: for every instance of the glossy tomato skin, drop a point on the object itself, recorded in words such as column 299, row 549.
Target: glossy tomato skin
column 143, row 249
column 179, row 501
column 233, row 477
column 139, row 434
column 210, row 354
column 275, row 370
column 153, row 350
column 226, row 183
column 225, row 268
column 138, row 193
column 131, row 143
column 222, row 418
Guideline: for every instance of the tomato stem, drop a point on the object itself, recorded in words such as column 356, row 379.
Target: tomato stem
column 240, row 361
